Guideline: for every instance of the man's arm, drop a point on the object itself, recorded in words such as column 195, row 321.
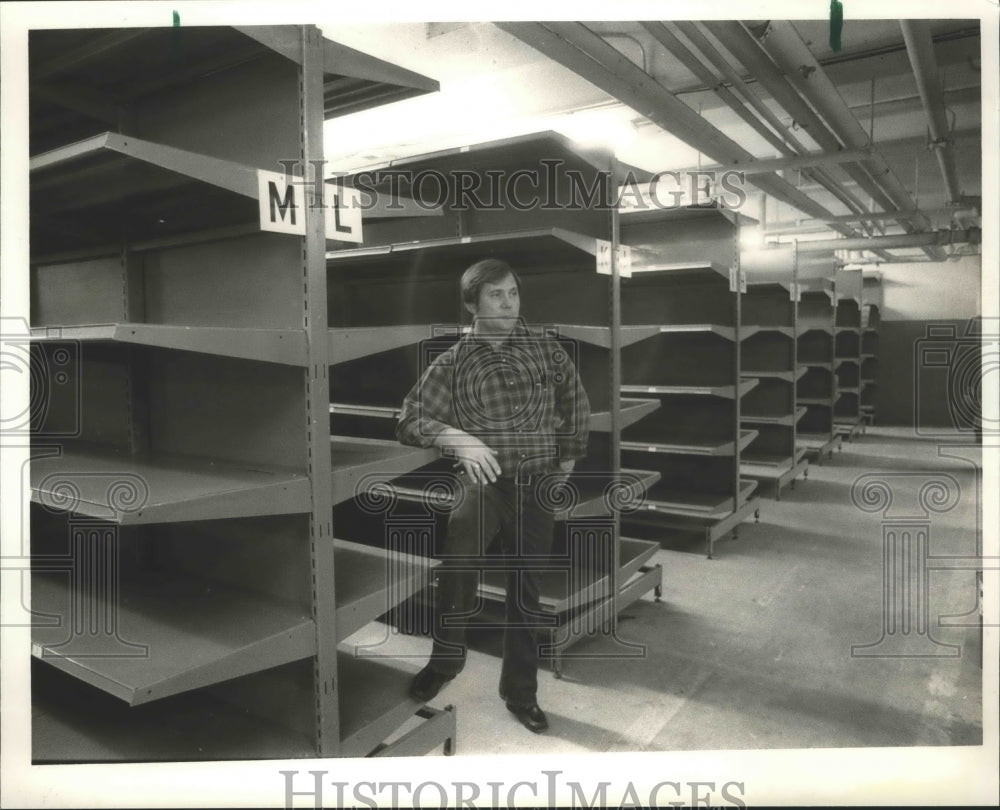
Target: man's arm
column 427, row 417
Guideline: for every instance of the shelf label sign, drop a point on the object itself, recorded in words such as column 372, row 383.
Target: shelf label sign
column 282, row 203
column 343, row 213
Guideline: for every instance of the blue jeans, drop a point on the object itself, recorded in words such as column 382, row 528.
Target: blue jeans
column 525, row 528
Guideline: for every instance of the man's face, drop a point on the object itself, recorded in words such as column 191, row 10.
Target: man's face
column 499, row 305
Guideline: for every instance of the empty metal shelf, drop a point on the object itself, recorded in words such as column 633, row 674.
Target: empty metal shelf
column 103, row 484
column 354, row 458
column 170, row 635
column 286, row 346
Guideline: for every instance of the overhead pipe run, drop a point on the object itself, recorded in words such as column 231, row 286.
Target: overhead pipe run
column 878, row 216
column 777, row 135
column 674, row 46
column 809, row 79
column 577, row 48
column 798, row 162
column 745, row 48
column 742, row 45
column 920, row 48
column 904, row 240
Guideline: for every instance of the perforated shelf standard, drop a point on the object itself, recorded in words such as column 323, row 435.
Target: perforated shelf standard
column 684, row 445
column 723, row 391
column 110, row 486
column 285, row 346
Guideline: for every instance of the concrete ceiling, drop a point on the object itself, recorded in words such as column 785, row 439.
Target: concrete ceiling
column 495, row 85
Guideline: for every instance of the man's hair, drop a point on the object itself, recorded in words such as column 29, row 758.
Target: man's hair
column 486, row 271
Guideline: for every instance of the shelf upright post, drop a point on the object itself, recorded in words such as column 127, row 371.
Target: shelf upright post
column 614, row 365
column 834, row 380
column 324, row 606
column 737, row 383
column 796, row 295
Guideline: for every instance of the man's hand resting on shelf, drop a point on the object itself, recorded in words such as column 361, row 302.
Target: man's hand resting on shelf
column 478, row 460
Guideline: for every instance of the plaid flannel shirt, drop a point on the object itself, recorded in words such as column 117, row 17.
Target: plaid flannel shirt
column 522, row 398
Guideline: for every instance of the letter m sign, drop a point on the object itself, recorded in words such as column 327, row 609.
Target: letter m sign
column 281, row 201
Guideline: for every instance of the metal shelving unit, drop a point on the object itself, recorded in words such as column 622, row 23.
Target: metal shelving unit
column 816, row 389
column 686, row 279
column 769, row 354
column 189, row 592
column 404, row 282
column 871, row 297
column 847, row 417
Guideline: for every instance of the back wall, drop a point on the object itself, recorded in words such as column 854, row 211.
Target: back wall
column 924, row 338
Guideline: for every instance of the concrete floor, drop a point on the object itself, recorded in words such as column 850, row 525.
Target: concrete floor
column 753, row 649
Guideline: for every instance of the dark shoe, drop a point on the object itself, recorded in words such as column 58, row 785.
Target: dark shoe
column 427, row 683
column 532, row 717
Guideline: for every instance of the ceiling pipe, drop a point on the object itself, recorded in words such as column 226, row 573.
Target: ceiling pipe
column 878, row 216
column 744, row 47
column 647, row 61
column 735, row 38
column 580, row 50
column 672, row 43
column 765, row 165
column 917, row 35
column 808, row 77
column 720, row 63
column 674, row 46
column 971, row 94
column 904, row 240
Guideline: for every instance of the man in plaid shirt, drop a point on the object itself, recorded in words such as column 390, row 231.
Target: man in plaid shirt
column 509, row 407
